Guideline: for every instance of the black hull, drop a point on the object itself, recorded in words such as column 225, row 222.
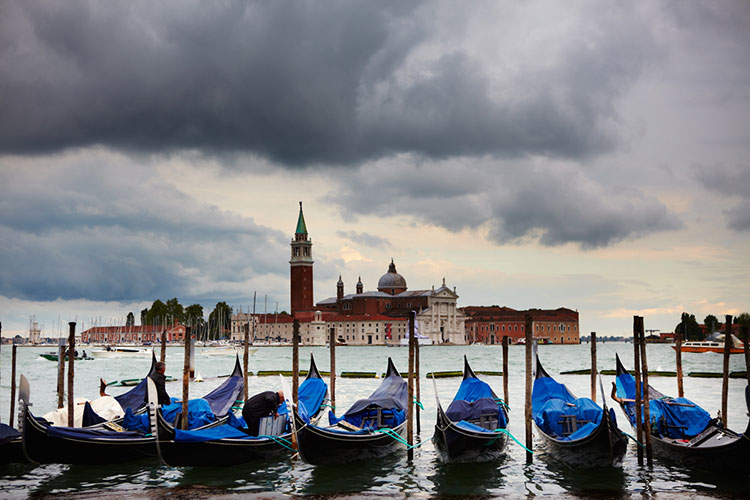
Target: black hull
column 715, row 449
column 39, row 447
column 457, row 445
column 604, row 447
column 320, row 446
column 222, row 453
column 11, row 451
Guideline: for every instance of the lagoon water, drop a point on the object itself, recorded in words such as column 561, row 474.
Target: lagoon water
column 423, row 477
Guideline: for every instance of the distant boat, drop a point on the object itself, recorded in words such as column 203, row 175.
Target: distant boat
column 716, row 345
column 52, row 356
column 121, row 352
column 423, row 340
column 227, row 351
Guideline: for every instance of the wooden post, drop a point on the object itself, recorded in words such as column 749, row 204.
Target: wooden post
column 192, row 357
column 410, row 392
column 295, row 360
column 725, row 371
column 186, row 380
column 60, row 373
column 746, row 347
column 416, row 380
column 506, row 341
column 646, row 409
column 529, row 386
column 246, row 360
column 332, row 385
column 12, row 383
column 638, row 387
column 593, row 366
column 71, row 372
column 678, row 355
column 163, row 354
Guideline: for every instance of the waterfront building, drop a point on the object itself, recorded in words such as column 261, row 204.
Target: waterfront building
column 132, row 334
column 489, row 324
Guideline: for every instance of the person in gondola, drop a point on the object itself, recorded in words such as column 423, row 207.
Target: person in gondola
column 261, row 405
column 159, row 379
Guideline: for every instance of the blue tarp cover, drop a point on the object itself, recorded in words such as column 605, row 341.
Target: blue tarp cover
column 7, row 433
column 551, row 400
column 472, row 389
column 310, row 396
column 465, row 410
column 223, row 397
column 199, row 414
column 135, row 398
column 85, row 433
column 90, row 417
column 472, row 427
column 390, row 397
column 669, row 417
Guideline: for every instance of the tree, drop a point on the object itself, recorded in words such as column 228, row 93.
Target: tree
column 220, row 321
column 693, row 330
column 742, row 319
column 157, row 314
column 144, row 315
column 711, row 322
column 130, row 321
column 175, row 311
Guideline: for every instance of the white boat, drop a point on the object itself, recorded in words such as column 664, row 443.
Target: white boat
column 121, row 352
column 421, row 339
column 227, row 350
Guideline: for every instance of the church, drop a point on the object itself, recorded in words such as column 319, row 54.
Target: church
column 377, row 317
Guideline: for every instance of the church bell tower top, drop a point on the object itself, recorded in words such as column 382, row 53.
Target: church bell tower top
column 301, row 226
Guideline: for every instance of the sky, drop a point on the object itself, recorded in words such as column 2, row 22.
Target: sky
column 592, row 155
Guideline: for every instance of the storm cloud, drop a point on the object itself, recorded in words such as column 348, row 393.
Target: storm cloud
column 522, row 202
column 104, row 228
column 305, row 83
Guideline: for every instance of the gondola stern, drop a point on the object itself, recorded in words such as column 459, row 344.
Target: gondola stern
column 313, row 371
column 237, row 372
column 468, row 372
column 540, row 371
column 621, row 370
column 392, row 371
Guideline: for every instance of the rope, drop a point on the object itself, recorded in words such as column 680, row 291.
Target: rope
column 395, row 435
column 502, row 403
column 329, row 406
column 419, row 403
column 634, row 439
column 505, row 431
column 280, row 440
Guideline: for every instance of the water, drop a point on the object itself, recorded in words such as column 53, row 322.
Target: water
column 424, row 477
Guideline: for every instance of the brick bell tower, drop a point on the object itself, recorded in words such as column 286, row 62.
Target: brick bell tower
column 301, row 268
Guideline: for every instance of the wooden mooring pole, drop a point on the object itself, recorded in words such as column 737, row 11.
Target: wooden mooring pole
column 295, row 360
column 529, row 386
column 725, row 369
column 593, row 366
column 646, row 409
column 71, row 372
column 416, row 380
column 245, row 360
column 163, row 353
column 678, row 336
column 638, row 391
column 745, row 331
column 60, row 372
column 332, row 385
column 186, row 379
column 12, row 383
column 506, row 340
column 410, row 392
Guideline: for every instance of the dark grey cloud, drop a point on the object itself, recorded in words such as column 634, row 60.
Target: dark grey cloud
column 525, row 201
column 304, row 83
column 733, row 183
column 365, row 239
column 104, row 228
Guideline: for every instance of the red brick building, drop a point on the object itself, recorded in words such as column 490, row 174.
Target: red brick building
column 131, row 334
column 489, row 324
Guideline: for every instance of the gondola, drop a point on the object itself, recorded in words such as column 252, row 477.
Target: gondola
column 471, row 429
column 371, row 428
column 11, row 446
column 109, row 442
column 577, row 431
column 228, row 444
column 683, row 432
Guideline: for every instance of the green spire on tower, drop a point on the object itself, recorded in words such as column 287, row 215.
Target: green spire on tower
column 301, row 227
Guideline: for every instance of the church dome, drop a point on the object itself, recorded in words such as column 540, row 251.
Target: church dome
column 392, row 282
